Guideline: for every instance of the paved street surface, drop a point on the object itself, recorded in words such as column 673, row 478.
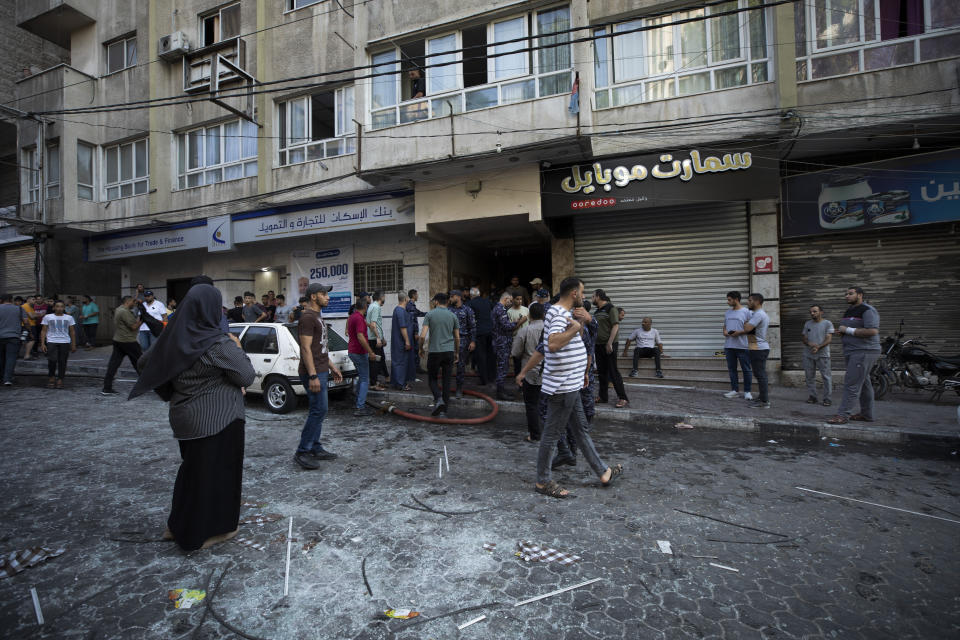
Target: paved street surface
column 95, row 475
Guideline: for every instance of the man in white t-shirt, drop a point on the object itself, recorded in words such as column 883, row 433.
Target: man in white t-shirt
column 648, row 344
column 58, row 339
column 156, row 309
column 564, row 375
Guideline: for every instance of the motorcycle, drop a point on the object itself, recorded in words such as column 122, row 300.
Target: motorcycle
column 908, row 365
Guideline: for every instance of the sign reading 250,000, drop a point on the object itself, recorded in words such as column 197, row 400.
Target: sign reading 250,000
column 327, row 271
column 329, row 267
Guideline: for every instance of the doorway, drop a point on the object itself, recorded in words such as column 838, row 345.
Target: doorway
column 177, row 289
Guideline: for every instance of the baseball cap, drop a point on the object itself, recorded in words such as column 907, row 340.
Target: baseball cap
column 362, row 294
column 316, row 287
column 148, row 293
column 542, row 293
column 536, row 281
column 456, row 292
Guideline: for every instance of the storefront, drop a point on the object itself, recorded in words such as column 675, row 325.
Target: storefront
column 17, row 260
column 890, row 227
column 353, row 245
column 665, row 235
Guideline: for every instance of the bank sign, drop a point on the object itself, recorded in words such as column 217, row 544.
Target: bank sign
column 670, row 178
column 920, row 189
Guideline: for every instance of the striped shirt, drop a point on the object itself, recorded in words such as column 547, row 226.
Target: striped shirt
column 563, row 370
column 206, row 397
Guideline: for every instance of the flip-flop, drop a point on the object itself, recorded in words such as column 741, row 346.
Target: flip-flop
column 615, row 472
column 837, row 420
column 859, row 417
column 621, row 404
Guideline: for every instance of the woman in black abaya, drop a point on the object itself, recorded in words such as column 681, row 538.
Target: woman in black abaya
column 201, row 371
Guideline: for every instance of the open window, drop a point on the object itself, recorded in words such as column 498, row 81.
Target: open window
column 317, row 126
column 222, row 24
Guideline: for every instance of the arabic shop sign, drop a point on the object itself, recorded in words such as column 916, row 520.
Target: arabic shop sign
column 379, row 213
column 915, row 190
column 124, row 245
column 659, row 180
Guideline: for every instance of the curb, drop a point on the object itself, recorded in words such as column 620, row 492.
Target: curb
column 667, row 420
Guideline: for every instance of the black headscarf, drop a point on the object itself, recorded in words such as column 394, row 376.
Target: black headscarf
column 193, row 329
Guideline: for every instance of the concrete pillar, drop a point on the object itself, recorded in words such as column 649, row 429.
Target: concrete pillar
column 438, row 255
column 561, row 254
column 785, row 56
column 764, row 243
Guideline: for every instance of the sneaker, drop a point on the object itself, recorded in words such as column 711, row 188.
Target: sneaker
column 441, row 408
column 7, row 383
column 759, row 405
column 306, row 460
column 322, row 454
column 748, row 396
column 659, row 374
column 634, row 373
column 442, row 413
column 812, row 400
column 826, row 402
column 362, row 411
column 108, row 392
column 459, row 394
column 731, row 394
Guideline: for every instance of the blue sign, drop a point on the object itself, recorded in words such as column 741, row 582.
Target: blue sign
column 915, row 190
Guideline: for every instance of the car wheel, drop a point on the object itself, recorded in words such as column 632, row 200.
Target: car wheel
column 279, row 396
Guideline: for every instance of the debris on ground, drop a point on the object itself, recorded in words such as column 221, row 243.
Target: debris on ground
column 186, row 598
column 683, row 425
column 402, row 614
column 529, row 552
column 489, row 546
column 245, row 541
column 723, row 566
column 16, row 561
column 36, row 605
column 554, row 593
column 463, row 626
column 665, row 547
column 261, row 518
column 771, row 442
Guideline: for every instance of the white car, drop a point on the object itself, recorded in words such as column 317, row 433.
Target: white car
column 274, row 351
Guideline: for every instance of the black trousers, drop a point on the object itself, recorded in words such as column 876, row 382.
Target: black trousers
column 531, row 402
column 57, row 354
column 646, row 352
column 486, row 362
column 378, row 369
column 441, row 363
column 607, row 369
column 131, row 350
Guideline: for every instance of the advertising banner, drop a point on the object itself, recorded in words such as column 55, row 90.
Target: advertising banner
column 330, row 267
column 676, row 178
column 908, row 191
column 122, row 245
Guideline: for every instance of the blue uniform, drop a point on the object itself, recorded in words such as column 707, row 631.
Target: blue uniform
column 468, row 329
column 402, row 363
column 415, row 313
column 502, row 340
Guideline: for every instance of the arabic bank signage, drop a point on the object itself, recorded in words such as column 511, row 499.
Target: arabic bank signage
column 675, row 178
column 908, row 191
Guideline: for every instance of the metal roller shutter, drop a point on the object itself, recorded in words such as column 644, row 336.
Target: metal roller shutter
column 909, row 274
column 16, row 270
column 674, row 265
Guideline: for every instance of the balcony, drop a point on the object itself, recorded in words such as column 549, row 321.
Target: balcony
column 197, row 65
column 55, row 20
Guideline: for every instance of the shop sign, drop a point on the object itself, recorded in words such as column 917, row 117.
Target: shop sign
column 359, row 215
column 330, row 267
column 907, row 191
column 763, row 264
column 123, row 245
column 220, row 236
column 694, row 176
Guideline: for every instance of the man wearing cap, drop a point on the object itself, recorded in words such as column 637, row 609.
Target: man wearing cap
column 315, row 369
column 516, row 289
column 503, row 340
column 468, row 328
column 156, row 309
column 542, row 296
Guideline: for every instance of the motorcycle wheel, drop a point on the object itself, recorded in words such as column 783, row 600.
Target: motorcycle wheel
column 880, row 381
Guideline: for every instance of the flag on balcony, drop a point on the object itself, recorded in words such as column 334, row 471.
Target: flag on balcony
column 574, row 107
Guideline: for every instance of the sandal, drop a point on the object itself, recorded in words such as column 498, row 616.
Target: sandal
column 837, row 420
column 615, row 472
column 529, row 439
column 622, row 403
column 59, row 383
column 50, row 383
column 378, row 387
column 553, row 490
column 859, row 417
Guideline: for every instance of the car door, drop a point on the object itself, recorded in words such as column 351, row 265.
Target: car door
column 260, row 345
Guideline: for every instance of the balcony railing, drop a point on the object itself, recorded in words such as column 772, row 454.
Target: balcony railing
column 473, row 98
column 318, row 150
column 197, row 64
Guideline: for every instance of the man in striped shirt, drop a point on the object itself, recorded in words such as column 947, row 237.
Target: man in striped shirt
column 564, row 375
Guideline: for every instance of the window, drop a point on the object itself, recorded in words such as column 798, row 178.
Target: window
column 839, row 37
column 300, row 4
column 121, row 54
column 260, row 340
column 316, row 127
column 518, row 58
column 52, row 171
column 85, row 171
column 218, row 153
column 220, row 25
column 655, row 58
column 378, row 276
column 32, row 168
column 125, row 169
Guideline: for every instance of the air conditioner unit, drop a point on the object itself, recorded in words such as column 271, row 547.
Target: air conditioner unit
column 173, row 46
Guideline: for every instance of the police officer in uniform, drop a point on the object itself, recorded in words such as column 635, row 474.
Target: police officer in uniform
column 468, row 329
column 503, row 340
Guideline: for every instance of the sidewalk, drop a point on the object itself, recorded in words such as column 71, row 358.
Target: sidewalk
column 905, row 417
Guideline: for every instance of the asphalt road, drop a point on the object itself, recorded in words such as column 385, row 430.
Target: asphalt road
column 95, row 474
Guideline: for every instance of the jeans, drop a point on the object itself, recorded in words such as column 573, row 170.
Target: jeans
column 857, row 384
column 646, row 352
column 57, row 354
column 145, row 338
column 362, row 362
column 758, row 364
column 607, row 369
column 90, row 334
column 441, row 363
column 9, row 348
column 310, row 436
column 566, row 409
column 531, row 402
column 120, row 349
column 733, row 357
column 813, row 363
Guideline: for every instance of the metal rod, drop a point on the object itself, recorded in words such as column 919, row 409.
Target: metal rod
column 36, row 604
column 286, row 578
column 463, row 626
column 874, row 504
column 558, row 591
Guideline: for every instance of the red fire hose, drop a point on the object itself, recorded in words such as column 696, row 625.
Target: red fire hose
column 390, row 408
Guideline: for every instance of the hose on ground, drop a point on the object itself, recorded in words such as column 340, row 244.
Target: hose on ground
column 495, row 409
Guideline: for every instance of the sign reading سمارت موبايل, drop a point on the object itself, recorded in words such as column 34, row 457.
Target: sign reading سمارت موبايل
column 329, row 267
column 677, row 178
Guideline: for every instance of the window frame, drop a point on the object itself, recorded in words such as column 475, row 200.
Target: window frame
column 32, row 183
column 126, row 41
column 291, row 5
column 346, row 141
column 92, row 186
column 362, row 277
column 184, row 147
column 218, row 14
column 53, row 151
column 134, row 179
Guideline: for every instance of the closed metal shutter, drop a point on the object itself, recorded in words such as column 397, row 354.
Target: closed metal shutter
column 16, row 270
column 909, row 274
column 675, row 265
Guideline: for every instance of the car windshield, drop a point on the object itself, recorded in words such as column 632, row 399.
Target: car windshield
column 335, row 341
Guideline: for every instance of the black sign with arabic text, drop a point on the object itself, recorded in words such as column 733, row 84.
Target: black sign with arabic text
column 662, row 180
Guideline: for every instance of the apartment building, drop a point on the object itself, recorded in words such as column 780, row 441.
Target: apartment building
column 664, row 151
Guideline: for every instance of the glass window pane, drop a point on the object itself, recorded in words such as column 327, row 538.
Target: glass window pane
column 511, row 64
column 250, row 137
column 555, row 84
column 345, row 112
column 440, row 79
column 800, row 28
column 298, row 121
column 945, row 46
column 632, row 94
column 53, row 164
column 126, row 190
column 414, row 112
column 113, row 193
column 659, row 48
column 126, row 162
column 115, row 56
column 140, row 157
column 213, row 146
column 213, row 176
column 383, row 119
column 695, row 83
column 443, row 106
column 602, row 99
column 233, row 172
column 888, row 56
column 296, row 155
column 601, row 52
column 132, row 52
column 140, row 186
column 757, row 21
column 628, row 53
column 84, row 163
column 725, row 33
column 733, row 77
column 85, row 193
column 250, row 169
column 838, row 22
column 839, row 64
column 481, row 98
column 944, row 13
column 870, row 21
column 112, row 170
column 231, row 141
column 384, row 86
column 758, row 71
column 195, row 149
column 230, row 22
column 553, row 58
column 660, row 89
column 516, row 91
column 194, row 179
column 693, row 40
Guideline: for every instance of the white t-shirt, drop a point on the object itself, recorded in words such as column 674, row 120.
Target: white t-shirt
column 155, row 309
column 563, row 370
column 645, row 339
column 58, row 327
